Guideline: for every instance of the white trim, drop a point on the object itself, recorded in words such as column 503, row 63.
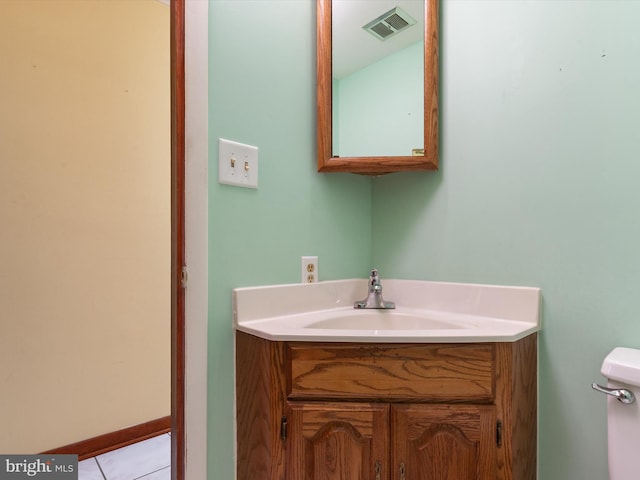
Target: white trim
column 196, row 239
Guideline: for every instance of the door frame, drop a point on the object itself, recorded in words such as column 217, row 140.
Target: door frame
column 189, row 227
column 177, row 48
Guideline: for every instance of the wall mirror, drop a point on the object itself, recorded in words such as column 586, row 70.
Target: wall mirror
column 377, row 71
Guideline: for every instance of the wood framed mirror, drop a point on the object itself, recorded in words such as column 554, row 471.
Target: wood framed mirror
column 373, row 154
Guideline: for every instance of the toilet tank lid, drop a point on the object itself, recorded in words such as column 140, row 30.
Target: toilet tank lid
column 623, row 365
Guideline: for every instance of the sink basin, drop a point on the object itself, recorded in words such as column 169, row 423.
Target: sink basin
column 427, row 312
column 383, row 320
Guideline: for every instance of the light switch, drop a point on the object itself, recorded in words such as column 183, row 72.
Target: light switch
column 237, row 164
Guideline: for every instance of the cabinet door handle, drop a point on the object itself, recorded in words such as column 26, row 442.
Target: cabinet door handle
column 378, row 469
column 402, row 471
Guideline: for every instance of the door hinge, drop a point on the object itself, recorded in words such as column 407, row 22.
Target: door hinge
column 183, row 276
column 499, row 433
column 283, row 428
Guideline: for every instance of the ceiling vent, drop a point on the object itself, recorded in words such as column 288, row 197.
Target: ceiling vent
column 389, row 23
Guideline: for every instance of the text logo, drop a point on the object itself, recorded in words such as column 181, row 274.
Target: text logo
column 49, row 467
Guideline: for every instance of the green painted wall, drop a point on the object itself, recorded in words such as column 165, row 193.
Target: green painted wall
column 538, row 186
column 262, row 92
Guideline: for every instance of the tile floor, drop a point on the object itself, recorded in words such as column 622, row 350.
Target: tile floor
column 146, row 460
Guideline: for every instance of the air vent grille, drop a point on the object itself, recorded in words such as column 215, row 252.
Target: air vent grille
column 397, row 22
column 381, row 30
column 389, row 23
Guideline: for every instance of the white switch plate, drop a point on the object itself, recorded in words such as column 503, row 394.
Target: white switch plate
column 237, row 164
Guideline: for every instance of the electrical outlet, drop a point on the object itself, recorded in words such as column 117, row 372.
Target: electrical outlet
column 309, row 270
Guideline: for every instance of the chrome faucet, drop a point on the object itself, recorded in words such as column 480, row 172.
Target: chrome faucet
column 374, row 297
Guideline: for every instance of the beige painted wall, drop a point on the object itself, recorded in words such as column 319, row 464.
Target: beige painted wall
column 84, row 219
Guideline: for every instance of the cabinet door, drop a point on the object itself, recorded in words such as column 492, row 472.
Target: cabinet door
column 443, row 442
column 336, row 441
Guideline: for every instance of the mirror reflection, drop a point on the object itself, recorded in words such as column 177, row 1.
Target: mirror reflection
column 377, row 77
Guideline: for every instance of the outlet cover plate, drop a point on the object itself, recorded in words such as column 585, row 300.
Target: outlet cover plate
column 309, row 269
column 237, row 164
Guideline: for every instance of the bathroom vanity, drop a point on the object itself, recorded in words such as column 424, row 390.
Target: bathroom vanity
column 417, row 403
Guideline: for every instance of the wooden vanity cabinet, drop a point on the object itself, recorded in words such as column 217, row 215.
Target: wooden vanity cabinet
column 337, row 440
column 382, row 441
column 443, row 442
column 349, row 411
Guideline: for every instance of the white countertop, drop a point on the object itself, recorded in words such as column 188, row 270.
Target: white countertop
column 451, row 312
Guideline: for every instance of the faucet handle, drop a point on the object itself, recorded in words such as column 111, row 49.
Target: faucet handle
column 374, row 281
column 374, row 296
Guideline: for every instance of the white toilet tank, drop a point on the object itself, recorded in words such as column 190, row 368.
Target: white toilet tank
column 622, row 369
